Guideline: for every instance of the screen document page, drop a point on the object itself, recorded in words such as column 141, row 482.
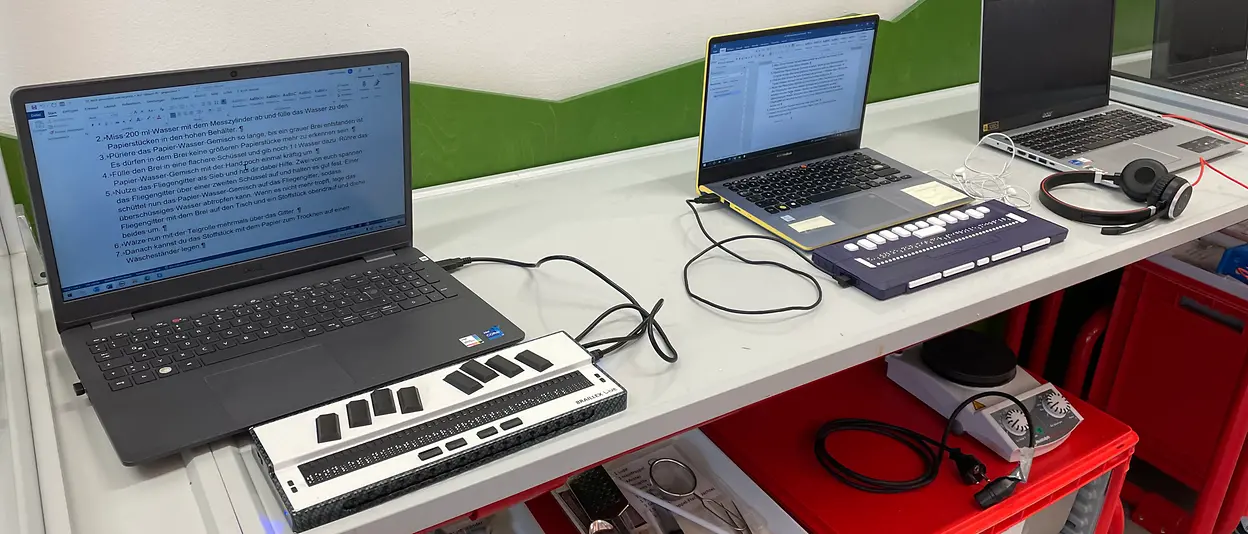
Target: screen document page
column 147, row 185
column 776, row 91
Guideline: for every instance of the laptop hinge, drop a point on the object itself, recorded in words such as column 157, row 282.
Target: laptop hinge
column 379, row 256
column 111, row 321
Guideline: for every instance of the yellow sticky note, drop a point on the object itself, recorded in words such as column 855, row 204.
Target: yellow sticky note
column 934, row 193
column 813, row 223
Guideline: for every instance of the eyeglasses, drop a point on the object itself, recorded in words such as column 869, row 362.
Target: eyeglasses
column 677, row 480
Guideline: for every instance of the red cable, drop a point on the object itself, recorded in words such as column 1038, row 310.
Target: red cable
column 1204, row 163
column 1207, row 127
column 1227, row 176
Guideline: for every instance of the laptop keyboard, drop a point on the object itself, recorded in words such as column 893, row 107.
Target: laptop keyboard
column 1090, row 133
column 182, row 345
column 1232, row 82
column 785, row 189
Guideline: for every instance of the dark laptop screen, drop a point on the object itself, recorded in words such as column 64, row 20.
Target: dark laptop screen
column 1204, row 34
column 148, row 185
column 1043, row 59
column 775, row 92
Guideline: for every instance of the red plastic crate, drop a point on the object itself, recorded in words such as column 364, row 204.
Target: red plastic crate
column 1174, row 365
column 773, row 441
column 1178, row 370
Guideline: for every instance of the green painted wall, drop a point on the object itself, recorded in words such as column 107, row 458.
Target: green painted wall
column 463, row 134
column 1133, row 25
column 460, row 134
column 12, row 161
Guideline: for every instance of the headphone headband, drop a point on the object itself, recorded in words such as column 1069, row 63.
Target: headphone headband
column 1085, row 215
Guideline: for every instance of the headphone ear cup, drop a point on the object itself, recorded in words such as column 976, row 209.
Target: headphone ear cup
column 1157, row 194
column 1178, row 192
column 1140, row 176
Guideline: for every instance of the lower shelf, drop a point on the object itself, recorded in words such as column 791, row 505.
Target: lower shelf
column 771, row 441
column 704, row 455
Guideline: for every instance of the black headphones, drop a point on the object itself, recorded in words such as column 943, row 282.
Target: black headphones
column 1143, row 180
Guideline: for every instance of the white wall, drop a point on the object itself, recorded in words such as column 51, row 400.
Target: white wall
column 539, row 48
column 8, row 70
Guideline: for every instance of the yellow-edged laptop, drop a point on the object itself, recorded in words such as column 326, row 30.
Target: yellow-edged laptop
column 782, row 116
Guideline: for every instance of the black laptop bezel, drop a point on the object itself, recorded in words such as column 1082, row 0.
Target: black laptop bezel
column 1164, row 33
column 85, row 310
column 990, row 124
column 792, row 153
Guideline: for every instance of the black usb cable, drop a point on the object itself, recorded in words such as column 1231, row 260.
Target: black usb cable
column 719, row 244
column 649, row 325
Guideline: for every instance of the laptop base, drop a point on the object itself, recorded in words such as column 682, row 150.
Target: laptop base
column 1176, row 145
column 885, row 202
column 157, row 412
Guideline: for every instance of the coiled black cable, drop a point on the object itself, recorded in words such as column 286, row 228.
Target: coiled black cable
column 719, row 244
column 930, row 451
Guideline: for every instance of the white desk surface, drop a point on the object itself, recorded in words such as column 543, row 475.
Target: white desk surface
column 15, row 486
column 32, row 496
column 624, row 213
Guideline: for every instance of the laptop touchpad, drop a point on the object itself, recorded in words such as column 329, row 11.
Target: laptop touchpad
column 864, row 211
column 280, row 385
column 1129, row 152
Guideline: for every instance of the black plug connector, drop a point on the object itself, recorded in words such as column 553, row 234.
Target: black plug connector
column 843, row 281
column 453, row 264
column 705, row 198
column 995, row 492
column 970, row 468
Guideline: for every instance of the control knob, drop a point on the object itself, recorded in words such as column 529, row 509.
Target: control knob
column 1056, row 405
column 1015, row 422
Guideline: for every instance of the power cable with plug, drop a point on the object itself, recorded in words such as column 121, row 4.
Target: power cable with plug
column 931, row 452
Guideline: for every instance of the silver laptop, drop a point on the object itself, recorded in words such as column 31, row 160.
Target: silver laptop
column 1044, row 82
column 1202, row 46
column 782, row 132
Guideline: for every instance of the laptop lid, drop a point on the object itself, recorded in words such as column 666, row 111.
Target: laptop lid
column 1042, row 60
column 157, row 188
column 1192, row 36
column 780, row 96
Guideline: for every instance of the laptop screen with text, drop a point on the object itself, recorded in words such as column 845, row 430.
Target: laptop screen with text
column 771, row 93
column 147, row 185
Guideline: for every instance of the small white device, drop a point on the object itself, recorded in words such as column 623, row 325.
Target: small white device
column 997, row 423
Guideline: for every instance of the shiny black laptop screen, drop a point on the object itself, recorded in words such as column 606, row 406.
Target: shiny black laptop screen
column 1043, row 59
column 1207, row 34
column 780, row 91
column 148, row 185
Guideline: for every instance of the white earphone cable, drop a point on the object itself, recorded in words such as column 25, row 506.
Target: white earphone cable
column 986, row 185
